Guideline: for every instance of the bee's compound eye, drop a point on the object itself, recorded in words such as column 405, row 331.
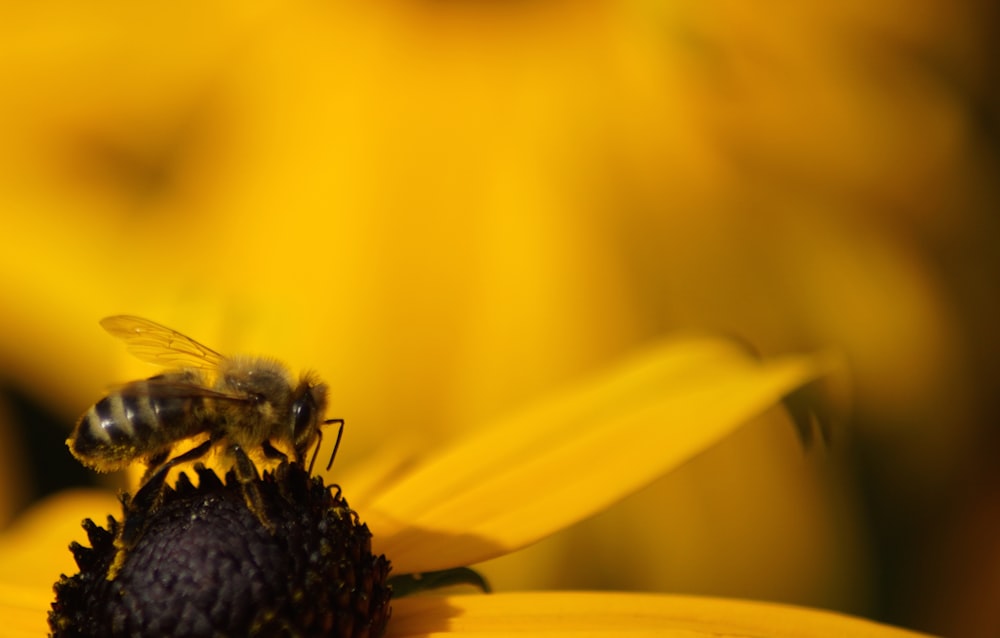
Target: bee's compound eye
column 303, row 415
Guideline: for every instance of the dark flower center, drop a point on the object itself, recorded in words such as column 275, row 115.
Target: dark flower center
column 205, row 565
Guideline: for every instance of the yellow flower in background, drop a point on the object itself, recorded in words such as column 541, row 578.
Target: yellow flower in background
column 449, row 209
column 520, row 479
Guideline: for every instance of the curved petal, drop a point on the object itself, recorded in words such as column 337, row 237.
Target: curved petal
column 572, row 456
column 620, row 614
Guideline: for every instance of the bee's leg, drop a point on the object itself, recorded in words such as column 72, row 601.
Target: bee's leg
column 154, row 462
column 247, row 475
column 272, row 452
column 149, row 496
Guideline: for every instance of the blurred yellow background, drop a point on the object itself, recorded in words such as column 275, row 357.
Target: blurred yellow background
column 448, row 208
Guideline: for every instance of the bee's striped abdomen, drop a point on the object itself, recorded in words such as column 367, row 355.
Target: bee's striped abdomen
column 104, row 439
column 137, row 421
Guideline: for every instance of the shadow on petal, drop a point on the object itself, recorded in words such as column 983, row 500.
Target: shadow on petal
column 417, row 549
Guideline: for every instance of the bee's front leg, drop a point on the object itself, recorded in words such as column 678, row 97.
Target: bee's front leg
column 249, row 477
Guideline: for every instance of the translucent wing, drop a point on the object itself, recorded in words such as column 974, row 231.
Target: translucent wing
column 153, row 343
column 174, row 389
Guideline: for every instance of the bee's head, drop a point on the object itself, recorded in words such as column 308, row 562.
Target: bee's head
column 308, row 407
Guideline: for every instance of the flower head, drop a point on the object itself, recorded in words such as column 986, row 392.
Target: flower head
column 204, row 565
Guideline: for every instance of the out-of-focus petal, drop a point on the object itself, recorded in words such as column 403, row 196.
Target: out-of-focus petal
column 35, row 551
column 572, row 456
column 24, row 610
column 619, row 614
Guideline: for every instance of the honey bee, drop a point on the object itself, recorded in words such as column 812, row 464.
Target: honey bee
column 245, row 404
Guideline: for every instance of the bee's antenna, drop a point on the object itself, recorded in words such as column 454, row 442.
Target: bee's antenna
column 319, row 442
column 336, row 445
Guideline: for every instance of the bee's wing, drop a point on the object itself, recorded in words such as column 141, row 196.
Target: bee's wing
column 175, row 389
column 153, row 343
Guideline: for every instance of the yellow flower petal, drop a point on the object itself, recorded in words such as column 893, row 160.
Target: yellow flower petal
column 35, row 551
column 618, row 614
column 570, row 457
column 24, row 610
